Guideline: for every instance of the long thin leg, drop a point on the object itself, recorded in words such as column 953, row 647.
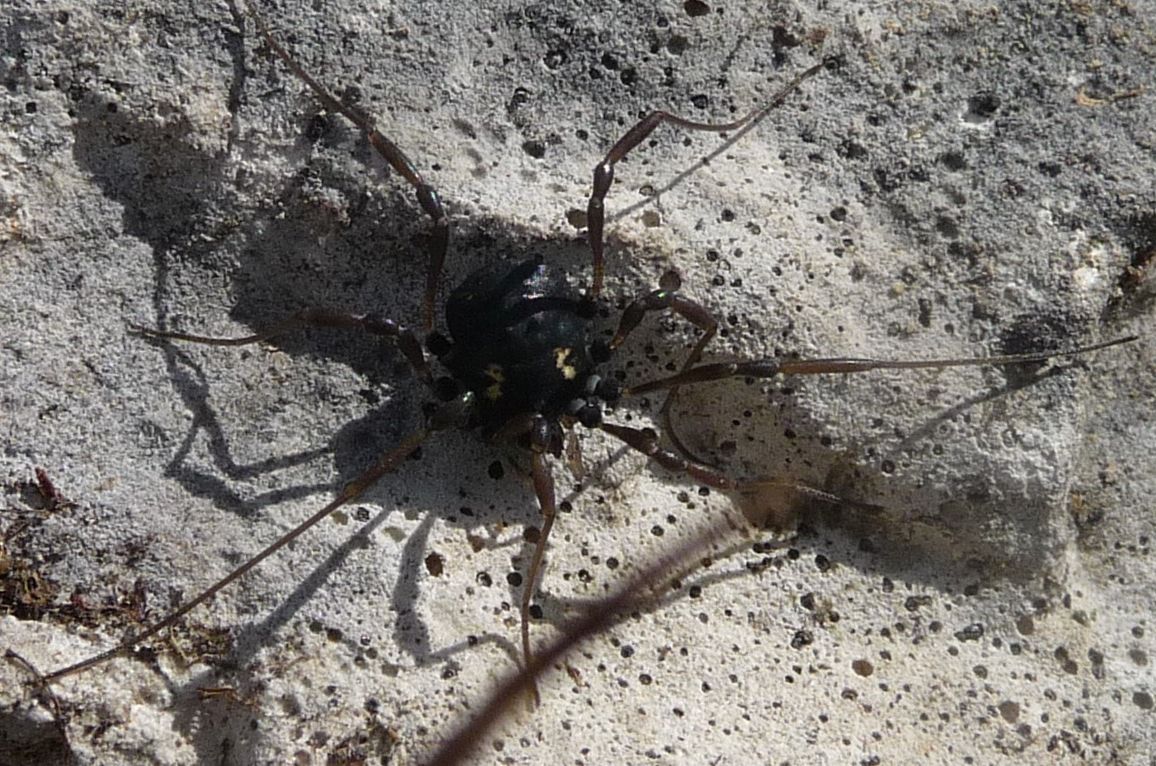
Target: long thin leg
column 544, row 489
column 450, row 414
column 646, row 441
column 544, row 438
column 598, row 617
column 668, row 297
column 427, row 197
column 760, row 512
column 770, row 367
column 406, row 340
column 604, row 171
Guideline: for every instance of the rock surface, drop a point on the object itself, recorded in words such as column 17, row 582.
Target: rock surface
column 971, row 180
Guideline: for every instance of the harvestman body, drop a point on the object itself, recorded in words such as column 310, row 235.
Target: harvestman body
column 521, row 356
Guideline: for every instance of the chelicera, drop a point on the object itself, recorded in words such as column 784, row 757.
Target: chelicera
column 521, row 360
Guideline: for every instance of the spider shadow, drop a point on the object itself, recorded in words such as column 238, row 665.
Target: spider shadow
column 374, row 262
column 172, row 193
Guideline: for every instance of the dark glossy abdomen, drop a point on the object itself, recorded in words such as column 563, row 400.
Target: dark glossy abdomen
column 521, row 341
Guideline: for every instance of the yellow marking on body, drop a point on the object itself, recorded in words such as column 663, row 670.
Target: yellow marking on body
column 562, row 356
column 495, row 373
